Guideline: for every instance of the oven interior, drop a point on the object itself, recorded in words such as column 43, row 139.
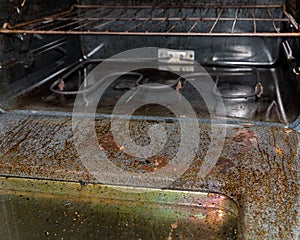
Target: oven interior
column 250, row 50
column 251, row 53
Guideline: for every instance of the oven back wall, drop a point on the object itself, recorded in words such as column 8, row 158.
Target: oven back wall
column 229, row 49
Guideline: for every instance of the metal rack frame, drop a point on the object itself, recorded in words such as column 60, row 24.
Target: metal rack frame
column 203, row 20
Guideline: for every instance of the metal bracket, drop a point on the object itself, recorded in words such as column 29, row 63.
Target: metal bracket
column 176, row 56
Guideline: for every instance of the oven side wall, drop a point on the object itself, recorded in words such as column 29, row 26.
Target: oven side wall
column 24, row 59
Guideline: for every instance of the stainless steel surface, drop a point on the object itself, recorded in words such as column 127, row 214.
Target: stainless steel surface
column 203, row 20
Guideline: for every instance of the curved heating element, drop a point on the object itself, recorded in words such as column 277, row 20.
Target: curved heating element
column 57, row 86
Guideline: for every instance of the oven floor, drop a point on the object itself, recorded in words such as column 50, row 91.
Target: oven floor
column 231, row 82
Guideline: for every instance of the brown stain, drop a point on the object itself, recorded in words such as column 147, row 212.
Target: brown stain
column 245, row 138
column 41, row 148
column 156, row 163
column 261, row 179
column 107, row 142
column 222, row 166
column 150, row 164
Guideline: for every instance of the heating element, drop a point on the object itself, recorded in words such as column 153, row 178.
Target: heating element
column 201, row 20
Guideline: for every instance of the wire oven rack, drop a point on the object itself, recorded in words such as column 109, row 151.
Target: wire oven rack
column 203, row 20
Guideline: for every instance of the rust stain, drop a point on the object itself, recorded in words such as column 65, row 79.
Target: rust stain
column 222, row 166
column 107, row 141
column 245, row 138
column 150, row 164
column 287, row 130
column 157, row 162
column 278, row 151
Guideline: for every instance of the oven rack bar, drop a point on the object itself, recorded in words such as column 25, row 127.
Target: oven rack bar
column 203, row 20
